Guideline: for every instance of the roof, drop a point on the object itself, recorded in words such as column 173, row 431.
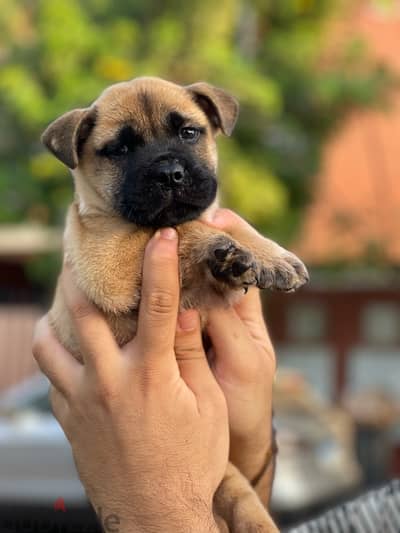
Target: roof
column 17, row 323
column 355, row 211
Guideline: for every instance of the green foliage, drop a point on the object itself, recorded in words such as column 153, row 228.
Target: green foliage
column 56, row 55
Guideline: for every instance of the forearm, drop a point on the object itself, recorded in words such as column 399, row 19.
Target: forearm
column 255, row 458
column 263, row 483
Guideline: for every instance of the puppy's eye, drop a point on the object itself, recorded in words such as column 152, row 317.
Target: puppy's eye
column 114, row 150
column 189, row 134
column 122, row 150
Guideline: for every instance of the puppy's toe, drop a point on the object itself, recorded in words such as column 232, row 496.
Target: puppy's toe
column 286, row 273
column 299, row 267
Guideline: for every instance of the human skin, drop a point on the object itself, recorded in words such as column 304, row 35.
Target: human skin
column 98, row 407
column 243, row 361
column 147, row 423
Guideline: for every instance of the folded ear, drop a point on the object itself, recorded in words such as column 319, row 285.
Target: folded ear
column 221, row 107
column 65, row 136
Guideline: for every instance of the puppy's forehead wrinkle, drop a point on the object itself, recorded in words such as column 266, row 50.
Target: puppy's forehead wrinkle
column 150, row 112
column 146, row 103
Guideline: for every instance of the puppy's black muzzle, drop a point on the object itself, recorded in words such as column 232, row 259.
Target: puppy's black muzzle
column 166, row 189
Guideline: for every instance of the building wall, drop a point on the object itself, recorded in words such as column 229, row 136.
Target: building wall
column 352, row 336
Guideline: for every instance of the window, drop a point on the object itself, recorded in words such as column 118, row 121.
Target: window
column 306, row 322
column 380, row 324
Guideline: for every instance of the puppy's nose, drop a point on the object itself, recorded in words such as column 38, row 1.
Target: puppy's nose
column 171, row 171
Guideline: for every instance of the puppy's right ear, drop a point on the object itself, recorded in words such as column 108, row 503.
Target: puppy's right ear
column 65, row 136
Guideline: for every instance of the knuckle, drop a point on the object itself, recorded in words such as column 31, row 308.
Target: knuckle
column 39, row 345
column 150, row 380
column 80, row 310
column 188, row 348
column 37, row 349
column 54, row 400
column 160, row 302
column 106, row 393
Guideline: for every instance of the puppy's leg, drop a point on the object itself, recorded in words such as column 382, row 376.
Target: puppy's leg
column 277, row 268
column 237, row 259
column 209, row 256
column 239, row 506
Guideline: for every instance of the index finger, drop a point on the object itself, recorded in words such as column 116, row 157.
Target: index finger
column 159, row 303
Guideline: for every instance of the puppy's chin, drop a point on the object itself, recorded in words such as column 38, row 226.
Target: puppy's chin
column 170, row 216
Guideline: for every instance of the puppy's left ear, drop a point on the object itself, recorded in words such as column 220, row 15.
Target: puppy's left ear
column 65, row 136
column 221, row 107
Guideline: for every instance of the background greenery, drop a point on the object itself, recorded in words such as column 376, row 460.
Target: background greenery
column 58, row 54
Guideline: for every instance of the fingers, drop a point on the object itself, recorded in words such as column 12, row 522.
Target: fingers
column 227, row 220
column 249, row 310
column 250, row 305
column 229, row 336
column 241, row 348
column 96, row 341
column 160, row 296
column 190, row 355
column 61, row 368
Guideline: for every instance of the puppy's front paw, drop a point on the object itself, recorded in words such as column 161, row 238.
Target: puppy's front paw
column 231, row 264
column 285, row 272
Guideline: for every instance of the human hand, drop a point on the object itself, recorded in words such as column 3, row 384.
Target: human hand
column 147, row 423
column 243, row 361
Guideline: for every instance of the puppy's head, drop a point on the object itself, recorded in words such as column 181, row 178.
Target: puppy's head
column 145, row 149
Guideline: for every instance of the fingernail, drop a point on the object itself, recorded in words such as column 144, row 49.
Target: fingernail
column 188, row 320
column 168, row 233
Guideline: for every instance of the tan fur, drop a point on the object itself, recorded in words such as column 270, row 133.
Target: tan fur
column 106, row 253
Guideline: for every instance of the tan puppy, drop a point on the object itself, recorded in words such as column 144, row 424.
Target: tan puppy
column 143, row 156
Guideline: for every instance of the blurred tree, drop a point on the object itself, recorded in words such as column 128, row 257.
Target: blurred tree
column 57, row 55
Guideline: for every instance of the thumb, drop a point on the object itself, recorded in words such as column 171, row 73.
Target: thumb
column 190, row 354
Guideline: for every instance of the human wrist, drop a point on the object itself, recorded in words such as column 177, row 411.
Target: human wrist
column 250, row 452
column 191, row 517
column 250, row 459
column 176, row 524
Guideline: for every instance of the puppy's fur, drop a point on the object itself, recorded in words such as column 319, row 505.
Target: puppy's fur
column 143, row 156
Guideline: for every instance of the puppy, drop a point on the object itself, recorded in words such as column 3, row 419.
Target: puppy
column 143, row 156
